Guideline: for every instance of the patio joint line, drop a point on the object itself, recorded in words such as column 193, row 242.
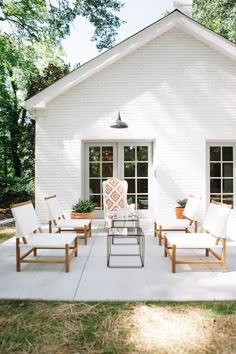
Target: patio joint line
column 94, row 238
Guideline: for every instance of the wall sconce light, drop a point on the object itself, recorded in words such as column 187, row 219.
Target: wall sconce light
column 119, row 123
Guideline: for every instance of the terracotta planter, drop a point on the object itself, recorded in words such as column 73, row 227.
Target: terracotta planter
column 75, row 215
column 179, row 213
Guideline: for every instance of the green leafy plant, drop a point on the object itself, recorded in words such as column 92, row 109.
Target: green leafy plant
column 182, row 202
column 83, row 206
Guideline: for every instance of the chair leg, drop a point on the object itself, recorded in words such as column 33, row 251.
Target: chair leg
column 207, row 252
column 173, row 258
column 160, row 234
column 223, row 257
column 50, row 226
column 195, row 227
column 165, row 247
column 76, row 246
column 85, row 234
column 155, row 227
column 89, row 229
column 35, row 252
column 18, row 254
column 67, row 255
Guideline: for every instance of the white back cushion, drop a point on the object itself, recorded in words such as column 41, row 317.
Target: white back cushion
column 231, row 225
column 54, row 208
column 216, row 218
column 26, row 219
column 191, row 210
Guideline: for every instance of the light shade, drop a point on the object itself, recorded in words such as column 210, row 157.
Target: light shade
column 119, row 123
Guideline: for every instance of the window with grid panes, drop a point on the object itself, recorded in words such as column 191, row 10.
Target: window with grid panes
column 221, row 174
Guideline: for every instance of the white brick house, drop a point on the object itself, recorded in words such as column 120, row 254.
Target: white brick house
column 175, row 85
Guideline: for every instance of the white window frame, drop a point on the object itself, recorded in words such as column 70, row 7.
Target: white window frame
column 221, row 144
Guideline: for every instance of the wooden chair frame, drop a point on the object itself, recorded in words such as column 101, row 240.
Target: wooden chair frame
column 171, row 251
column 86, row 231
column 159, row 229
column 21, row 258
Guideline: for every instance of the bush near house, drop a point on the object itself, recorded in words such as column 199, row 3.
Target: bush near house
column 15, row 190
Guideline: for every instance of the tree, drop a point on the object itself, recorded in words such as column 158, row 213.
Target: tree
column 218, row 15
column 31, row 58
column 41, row 19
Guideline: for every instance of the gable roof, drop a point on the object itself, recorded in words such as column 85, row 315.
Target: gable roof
column 175, row 19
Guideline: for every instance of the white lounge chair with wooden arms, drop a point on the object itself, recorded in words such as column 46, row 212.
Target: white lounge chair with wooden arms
column 115, row 199
column 191, row 213
column 82, row 227
column 27, row 226
column 212, row 238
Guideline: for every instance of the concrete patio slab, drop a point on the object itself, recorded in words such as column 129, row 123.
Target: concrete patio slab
column 89, row 278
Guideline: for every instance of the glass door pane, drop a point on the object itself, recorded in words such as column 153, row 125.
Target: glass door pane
column 100, row 164
column 135, row 170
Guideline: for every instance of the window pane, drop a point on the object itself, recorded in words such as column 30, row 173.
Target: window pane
column 216, row 198
column 129, row 153
column 142, row 169
column 228, row 199
column 227, row 153
column 94, row 186
column 96, row 199
column 94, row 153
column 94, row 169
column 227, row 186
column 107, row 153
column 107, row 169
column 215, row 170
column 142, row 153
column 130, row 198
column 129, row 169
column 227, row 170
column 215, row 186
column 142, row 201
column 131, row 185
column 215, row 154
column 142, row 185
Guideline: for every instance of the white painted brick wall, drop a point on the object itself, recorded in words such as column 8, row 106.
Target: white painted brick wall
column 174, row 90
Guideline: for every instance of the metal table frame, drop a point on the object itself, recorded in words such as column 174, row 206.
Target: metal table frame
column 128, row 229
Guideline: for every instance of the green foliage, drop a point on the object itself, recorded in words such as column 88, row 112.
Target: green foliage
column 218, row 15
column 182, row 202
column 50, row 21
column 15, row 189
column 83, row 206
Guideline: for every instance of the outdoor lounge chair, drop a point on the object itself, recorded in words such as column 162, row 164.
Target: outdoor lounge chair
column 83, row 227
column 26, row 227
column 191, row 214
column 115, row 199
column 213, row 237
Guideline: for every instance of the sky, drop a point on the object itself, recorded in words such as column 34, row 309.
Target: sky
column 138, row 14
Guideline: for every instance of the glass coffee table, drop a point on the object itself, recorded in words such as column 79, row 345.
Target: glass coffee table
column 124, row 234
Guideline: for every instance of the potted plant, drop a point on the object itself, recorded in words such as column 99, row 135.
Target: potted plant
column 180, row 208
column 82, row 209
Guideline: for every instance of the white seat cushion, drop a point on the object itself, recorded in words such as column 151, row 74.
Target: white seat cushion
column 174, row 224
column 196, row 240
column 73, row 223
column 49, row 240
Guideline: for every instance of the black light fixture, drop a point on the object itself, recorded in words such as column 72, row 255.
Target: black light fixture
column 119, row 123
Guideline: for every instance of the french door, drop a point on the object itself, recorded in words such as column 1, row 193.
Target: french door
column 127, row 161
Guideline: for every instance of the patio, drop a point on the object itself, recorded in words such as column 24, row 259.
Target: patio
column 89, row 278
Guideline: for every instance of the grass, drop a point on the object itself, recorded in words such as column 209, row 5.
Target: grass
column 129, row 327
column 125, row 327
column 6, row 232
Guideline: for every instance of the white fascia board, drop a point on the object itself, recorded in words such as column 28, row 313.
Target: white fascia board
column 101, row 62
column 207, row 37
